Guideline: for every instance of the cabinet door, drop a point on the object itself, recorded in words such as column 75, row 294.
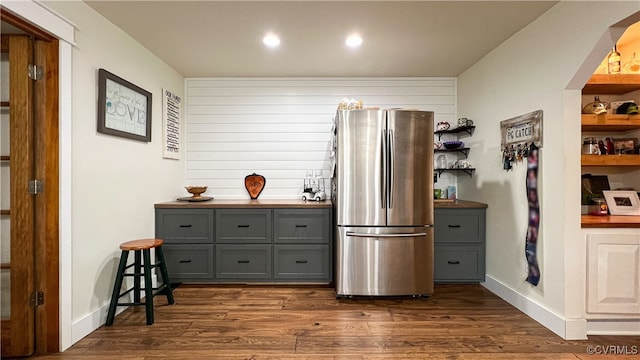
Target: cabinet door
column 243, row 226
column 302, row 225
column 185, row 225
column 459, row 263
column 459, row 226
column 613, row 280
column 301, row 262
column 189, row 262
column 246, row 261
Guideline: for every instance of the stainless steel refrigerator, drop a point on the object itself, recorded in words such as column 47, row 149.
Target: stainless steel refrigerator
column 384, row 202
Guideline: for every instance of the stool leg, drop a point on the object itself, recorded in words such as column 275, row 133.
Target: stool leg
column 117, row 287
column 148, row 287
column 165, row 275
column 137, row 269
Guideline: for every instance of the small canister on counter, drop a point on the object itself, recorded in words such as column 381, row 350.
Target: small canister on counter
column 599, row 207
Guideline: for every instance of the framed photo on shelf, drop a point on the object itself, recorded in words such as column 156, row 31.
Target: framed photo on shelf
column 622, row 202
column 625, row 146
column 124, row 109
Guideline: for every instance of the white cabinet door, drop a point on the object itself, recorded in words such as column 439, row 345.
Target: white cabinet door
column 613, row 277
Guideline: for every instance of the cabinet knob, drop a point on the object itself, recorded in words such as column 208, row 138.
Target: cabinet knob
column 184, row 261
column 454, row 226
column 453, row 262
column 243, row 226
column 301, row 261
column 243, row 261
column 301, row 226
column 186, row 225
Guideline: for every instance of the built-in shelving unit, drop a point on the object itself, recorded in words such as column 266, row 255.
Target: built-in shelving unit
column 616, row 84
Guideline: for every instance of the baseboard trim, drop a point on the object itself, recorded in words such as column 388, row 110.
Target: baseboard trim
column 613, row 327
column 98, row 317
column 568, row 329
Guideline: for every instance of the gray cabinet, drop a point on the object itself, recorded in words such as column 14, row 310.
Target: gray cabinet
column 247, row 244
column 302, row 244
column 459, row 245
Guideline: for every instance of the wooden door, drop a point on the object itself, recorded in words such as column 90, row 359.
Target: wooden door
column 29, row 215
column 18, row 204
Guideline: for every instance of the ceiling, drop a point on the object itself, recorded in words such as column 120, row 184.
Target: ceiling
column 401, row 38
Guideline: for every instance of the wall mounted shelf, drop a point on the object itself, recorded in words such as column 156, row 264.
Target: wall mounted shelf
column 468, row 171
column 461, row 129
column 464, row 151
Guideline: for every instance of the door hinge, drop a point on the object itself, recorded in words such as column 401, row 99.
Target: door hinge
column 35, row 72
column 36, row 299
column 36, row 187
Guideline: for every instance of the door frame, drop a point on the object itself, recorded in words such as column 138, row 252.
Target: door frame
column 39, row 16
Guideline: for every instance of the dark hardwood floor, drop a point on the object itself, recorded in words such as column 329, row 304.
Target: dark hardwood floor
column 308, row 322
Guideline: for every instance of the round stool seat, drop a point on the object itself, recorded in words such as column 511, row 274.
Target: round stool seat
column 141, row 244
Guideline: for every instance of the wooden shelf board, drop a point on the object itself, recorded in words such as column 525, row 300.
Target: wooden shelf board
column 610, row 221
column 610, row 160
column 612, row 84
column 614, row 123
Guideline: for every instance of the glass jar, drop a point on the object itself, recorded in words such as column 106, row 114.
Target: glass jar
column 599, row 207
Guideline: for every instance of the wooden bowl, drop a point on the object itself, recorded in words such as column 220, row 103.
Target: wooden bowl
column 196, row 191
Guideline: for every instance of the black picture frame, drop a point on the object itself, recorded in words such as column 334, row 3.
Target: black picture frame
column 124, row 109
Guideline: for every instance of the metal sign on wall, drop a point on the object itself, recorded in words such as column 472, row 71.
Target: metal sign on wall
column 523, row 129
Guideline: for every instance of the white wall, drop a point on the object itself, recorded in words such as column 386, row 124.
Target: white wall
column 115, row 181
column 531, row 71
column 281, row 127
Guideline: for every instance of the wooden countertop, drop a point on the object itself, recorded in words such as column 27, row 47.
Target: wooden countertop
column 610, row 221
column 459, row 204
column 293, row 203
column 245, row 203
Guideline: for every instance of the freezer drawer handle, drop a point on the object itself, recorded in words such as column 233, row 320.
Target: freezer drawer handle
column 453, row 262
column 350, row 233
column 243, row 261
column 184, row 261
column 243, row 226
column 301, row 261
column 301, row 226
column 454, row 226
column 186, row 226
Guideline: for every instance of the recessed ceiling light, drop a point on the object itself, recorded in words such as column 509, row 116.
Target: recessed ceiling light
column 353, row 40
column 271, row 40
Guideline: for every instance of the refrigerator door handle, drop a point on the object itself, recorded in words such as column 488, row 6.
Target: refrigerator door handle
column 355, row 234
column 391, row 167
column 383, row 170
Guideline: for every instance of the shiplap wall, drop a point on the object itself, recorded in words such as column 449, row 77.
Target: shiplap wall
column 281, row 127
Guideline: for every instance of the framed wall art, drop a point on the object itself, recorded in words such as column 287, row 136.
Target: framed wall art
column 622, row 202
column 124, row 109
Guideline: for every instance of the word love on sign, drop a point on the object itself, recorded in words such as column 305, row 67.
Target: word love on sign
column 522, row 129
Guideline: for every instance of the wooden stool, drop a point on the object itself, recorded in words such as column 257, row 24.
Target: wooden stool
column 142, row 248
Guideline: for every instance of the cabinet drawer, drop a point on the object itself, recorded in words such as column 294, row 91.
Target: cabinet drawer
column 459, row 263
column 301, row 226
column 189, row 262
column 185, row 225
column 459, row 226
column 243, row 261
column 301, row 262
column 243, row 226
